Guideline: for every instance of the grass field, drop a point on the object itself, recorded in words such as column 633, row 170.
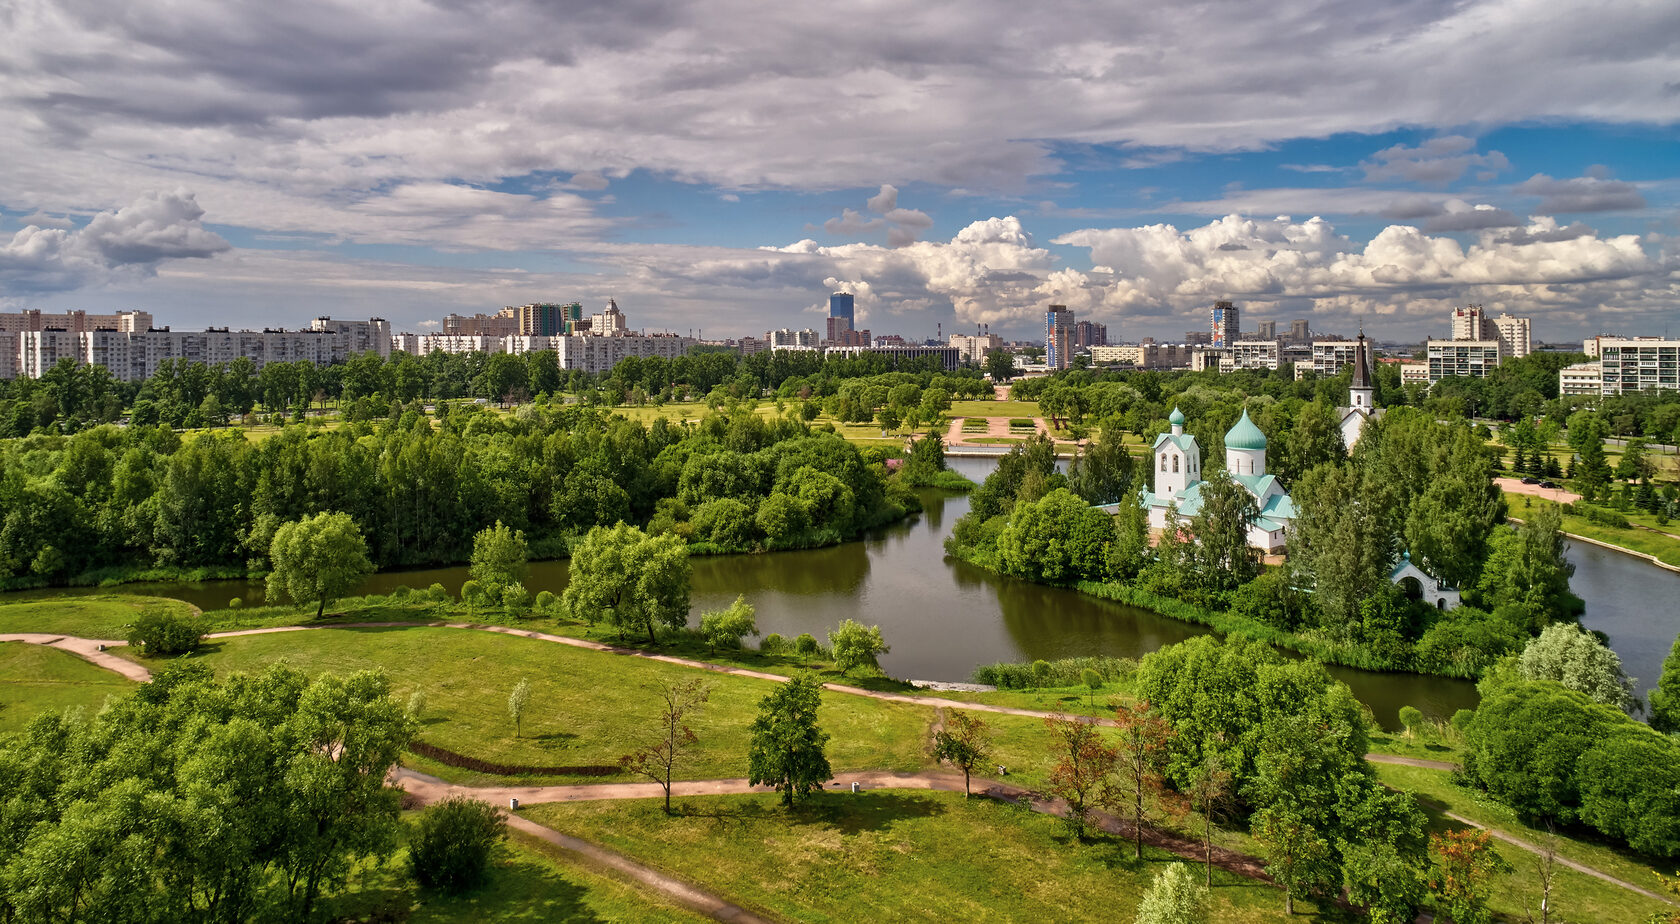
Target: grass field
column 1578, row 897
column 35, row 679
column 993, row 409
column 105, row 616
column 902, row 855
column 587, row 708
column 529, row 881
column 1665, row 548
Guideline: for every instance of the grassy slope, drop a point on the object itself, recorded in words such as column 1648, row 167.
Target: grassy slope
column 1582, row 897
column 586, row 708
column 35, row 679
column 104, row 616
column 905, row 856
column 1640, row 540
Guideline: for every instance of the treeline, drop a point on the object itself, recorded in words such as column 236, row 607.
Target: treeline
column 71, row 397
column 112, row 501
column 1414, row 486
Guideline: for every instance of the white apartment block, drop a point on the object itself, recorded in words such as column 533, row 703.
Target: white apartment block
column 1414, row 373
column 15, row 322
column 1143, row 355
column 133, row 356
column 11, row 345
column 974, row 347
column 1203, row 359
column 405, row 343
column 519, row 344
column 1256, row 354
column 596, row 354
column 458, row 343
column 1581, row 379
column 1473, row 358
column 1515, row 336
column 1329, row 356
column 1631, row 364
column 370, row 336
column 789, row 339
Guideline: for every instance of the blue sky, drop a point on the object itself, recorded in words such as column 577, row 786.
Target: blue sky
column 953, row 164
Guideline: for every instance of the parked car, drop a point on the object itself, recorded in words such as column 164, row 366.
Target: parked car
column 1548, row 484
column 1531, row 480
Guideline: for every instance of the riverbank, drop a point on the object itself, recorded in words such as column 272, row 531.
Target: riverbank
column 1646, row 543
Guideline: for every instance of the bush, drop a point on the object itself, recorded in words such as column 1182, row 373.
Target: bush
column 235, row 603
column 1412, row 718
column 1461, row 719
column 725, row 628
column 806, row 645
column 159, row 632
column 1066, row 672
column 1598, row 515
column 450, row 849
column 438, row 593
column 773, row 643
column 546, row 602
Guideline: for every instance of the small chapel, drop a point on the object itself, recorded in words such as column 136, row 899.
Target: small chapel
column 1362, row 407
column 1177, row 464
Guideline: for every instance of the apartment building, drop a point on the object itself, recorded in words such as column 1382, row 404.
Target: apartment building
column 597, row 354
column 1630, row 364
column 1473, row 358
column 1581, row 379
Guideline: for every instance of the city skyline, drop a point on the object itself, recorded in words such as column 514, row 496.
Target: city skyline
column 1135, row 169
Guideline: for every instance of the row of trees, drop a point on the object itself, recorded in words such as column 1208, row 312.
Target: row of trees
column 145, row 497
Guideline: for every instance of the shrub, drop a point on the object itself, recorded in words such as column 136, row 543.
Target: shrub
column 726, row 628
column 805, row 645
column 450, row 849
column 856, row 645
column 416, row 704
column 546, row 602
column 773, row 643
column 235, row 603
column 1412, row 718
column 1461, row 719
column 159, row 632
column 438, row 593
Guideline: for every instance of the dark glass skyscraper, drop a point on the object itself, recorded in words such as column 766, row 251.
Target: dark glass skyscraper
column 840, row 306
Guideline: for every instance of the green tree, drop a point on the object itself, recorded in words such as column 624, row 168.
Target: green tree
column 1223, row 558
column 964, row 742
column 1210, row 793
column 517, row 702
column 1570, row 655
column 633, row 580
column 1339, row 543
column 659, row 761
column 1465, row 866
column 1057, row 538
column 856, row 645
column 450, row 848
column 1665, row 699
column 1314, row 439
column 726, row 628
column 1528, row 569
column 499, row 558
column 1000, row 365
column 787, row 745
column 318, row 558
column 1298, row 857
column 1102, row 472
column 1174, row 897
column 160, row 631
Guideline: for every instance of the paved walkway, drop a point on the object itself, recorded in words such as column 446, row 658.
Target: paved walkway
column 1515, row 486
column 88, row 649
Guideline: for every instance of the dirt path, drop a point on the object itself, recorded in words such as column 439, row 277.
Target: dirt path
column 1515, row 486
column 1410, row 762
column 88, row 649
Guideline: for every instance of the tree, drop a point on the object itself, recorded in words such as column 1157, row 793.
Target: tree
column 1000, row 365
column 787, row 745
column 517, row 701
column 726, row 628
column 659, row 761
column 499, row 558
column 962, row 741
column 317, row 558
column 856, row 645
column 1056, row 538
column 1083, row 775
column 1314, row 439
column 1209, row 793
column 1464, row 866
column 1141, row 752
column 161, row 631
column 1665, row 699
column 1338, row 543
column 1222, row 556
column 1174, row 897
column 634, row 580
column 1296, row 853
column 1101, row 473
column 449, row 850
column 1570, row 655
column 1528, row 569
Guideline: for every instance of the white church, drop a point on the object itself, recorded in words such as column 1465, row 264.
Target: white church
column 1362, row 408
column 1177, row 464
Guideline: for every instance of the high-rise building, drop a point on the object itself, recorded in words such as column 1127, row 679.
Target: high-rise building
column 1630, row 364
column 974, row 347
column 1266, row 330
column 789, row 339
column 840, row 305
column 1226, row 329
column 1058, row 323
column 75, row 321
column 500, row 324
column 1513, row 335
column 1471, row 358
column 1471, row 323
column 1330, row 356
column 1087, row 334
column 1299, row 332
column 548, row 319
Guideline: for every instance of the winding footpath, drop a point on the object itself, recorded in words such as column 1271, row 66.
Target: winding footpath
column 428, row 789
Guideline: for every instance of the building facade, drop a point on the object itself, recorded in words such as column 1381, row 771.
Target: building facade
column 133, row 356
column 1087, row 334
column 1581, row 379
column 1266, row 330
column 1226, row 329
column 842, row 307
column 974, row 347
column 1256, row 354
column 1473, row 358
column 1329, row 357
column 76, row 321
column 949, row 357
column 500, row 324
column 790, row 339
column 1637, row 363
column 1058, row 321
column 596, row 354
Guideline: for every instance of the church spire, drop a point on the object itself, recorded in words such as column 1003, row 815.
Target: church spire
column 1361, row 365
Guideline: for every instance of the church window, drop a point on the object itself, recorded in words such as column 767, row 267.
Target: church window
column 1163, row 461
column 1175, row 465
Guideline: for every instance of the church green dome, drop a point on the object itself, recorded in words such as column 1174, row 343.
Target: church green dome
column 1245, row 435
column 1177, row 418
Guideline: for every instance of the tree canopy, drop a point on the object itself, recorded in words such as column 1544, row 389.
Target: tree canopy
column 318, row 558
column 634, row 581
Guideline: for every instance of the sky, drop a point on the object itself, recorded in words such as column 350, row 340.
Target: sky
column 720, row 167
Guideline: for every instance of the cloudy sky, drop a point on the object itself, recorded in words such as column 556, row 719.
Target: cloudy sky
column 722, row 166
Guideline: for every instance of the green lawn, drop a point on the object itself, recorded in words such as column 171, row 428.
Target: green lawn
column 586, row 709
column 994, row 409
column 105, row 616
column 894, row 855
column 1584, row 898
column 35, row 679
column 529, row 881
column 1665, row 548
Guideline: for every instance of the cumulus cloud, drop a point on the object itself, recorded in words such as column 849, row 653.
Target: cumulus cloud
column 903, row 226
column 1435, row 162
column 1581, row 194
column 134, row 239
column 43, row 220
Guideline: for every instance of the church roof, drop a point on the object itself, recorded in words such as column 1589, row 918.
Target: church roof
column 1361, row 366
column 1245, row 435
column 1177, row 418
column 1185, row 442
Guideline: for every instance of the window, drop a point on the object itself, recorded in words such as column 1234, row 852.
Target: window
column 1175, row 465
column 1163, row 461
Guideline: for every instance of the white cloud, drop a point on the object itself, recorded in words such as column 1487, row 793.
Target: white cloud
column 134, row 239
column 1435, row 162
column 1592, row 193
